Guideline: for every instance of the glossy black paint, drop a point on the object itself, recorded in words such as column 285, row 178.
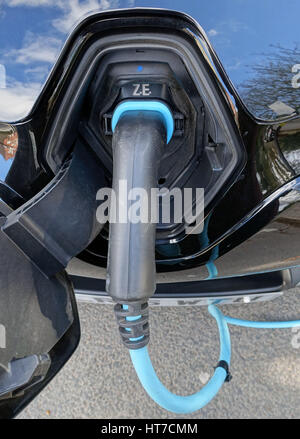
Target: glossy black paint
column 239, row 213
column 39, row 322
column 59, row 355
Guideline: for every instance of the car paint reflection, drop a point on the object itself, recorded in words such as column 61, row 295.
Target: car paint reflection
column 8, row 148
column 256, row 41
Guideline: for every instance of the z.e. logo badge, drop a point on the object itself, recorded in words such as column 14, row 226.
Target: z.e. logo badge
column 141, row 90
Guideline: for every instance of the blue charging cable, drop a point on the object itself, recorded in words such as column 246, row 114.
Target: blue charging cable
column 140, row 357
column 187, row 404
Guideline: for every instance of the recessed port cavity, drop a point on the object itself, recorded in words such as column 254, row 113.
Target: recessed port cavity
column 198, row 155
column 119, row 81
column 205, row 151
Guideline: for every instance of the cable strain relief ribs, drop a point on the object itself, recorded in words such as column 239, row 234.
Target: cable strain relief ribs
column 133, row 321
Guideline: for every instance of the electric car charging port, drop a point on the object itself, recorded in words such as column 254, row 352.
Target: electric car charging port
column 153, row 62
column 199, row 153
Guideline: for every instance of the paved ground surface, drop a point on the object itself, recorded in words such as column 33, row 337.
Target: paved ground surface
column 99, row 381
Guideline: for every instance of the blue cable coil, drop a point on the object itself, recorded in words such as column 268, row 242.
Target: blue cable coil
column 188, row 404
column 140, row 357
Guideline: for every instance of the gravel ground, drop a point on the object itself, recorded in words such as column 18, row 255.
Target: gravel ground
column 99, row 381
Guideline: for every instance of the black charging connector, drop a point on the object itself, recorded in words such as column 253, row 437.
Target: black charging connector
column 139, row 140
